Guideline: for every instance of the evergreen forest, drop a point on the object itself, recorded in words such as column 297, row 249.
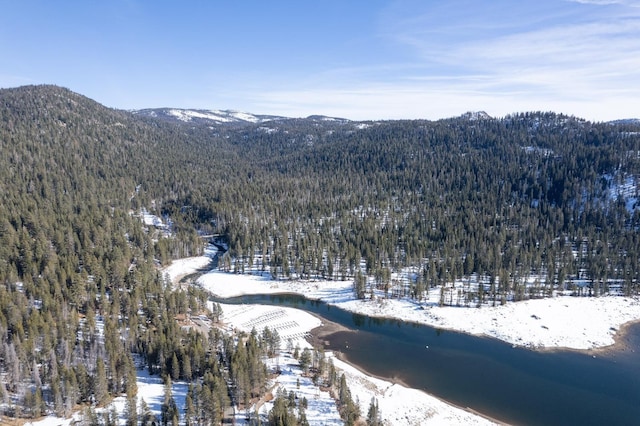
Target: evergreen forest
column 402, row 206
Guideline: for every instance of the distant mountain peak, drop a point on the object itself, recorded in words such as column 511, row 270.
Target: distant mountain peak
column 634, row 121
column 476, row 115
column 325, row 118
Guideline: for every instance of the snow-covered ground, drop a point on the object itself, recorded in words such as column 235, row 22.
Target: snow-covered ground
column 292, row 326
column 182, row 267
column 150, row 390
column 398, row 405
column 152, row 220
column 560, row 322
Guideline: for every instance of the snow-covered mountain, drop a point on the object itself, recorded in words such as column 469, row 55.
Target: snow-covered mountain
column 634, row 121
column 204, row 115
column 476, row 115
column 227, row 116
column 324, row 118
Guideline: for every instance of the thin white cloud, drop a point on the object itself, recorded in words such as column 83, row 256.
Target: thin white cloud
column 563, row 60
column 631, row 3
column 433, row 99
column 594, row 57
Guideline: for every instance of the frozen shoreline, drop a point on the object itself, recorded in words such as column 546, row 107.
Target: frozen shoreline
column 579, row 323
column 398, row 404
column 562, row 322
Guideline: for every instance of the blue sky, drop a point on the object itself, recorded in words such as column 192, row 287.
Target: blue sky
column 358, row 59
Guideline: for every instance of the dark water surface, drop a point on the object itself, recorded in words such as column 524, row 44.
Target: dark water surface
column 515, row 385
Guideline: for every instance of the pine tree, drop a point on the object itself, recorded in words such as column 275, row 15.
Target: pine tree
column 305, row 360
column 131, row 411
column 146, row 416
column 169, row 409
column 175, row 367
column 373, row 414
column 101, row 391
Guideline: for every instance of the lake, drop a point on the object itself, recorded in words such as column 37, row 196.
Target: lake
column 514, row 385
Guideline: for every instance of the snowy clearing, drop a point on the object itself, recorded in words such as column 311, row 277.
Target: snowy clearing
column 560, row 322
column 291, row 324
column 189, row 265
column 150, row 390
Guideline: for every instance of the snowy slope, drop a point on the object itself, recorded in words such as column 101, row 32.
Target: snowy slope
column 559, row 322
column 204, row 115
column 476, row 115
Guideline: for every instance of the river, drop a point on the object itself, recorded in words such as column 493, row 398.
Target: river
column 511, row 384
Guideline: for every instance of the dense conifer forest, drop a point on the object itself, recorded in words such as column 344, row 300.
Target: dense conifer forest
column 401, row 205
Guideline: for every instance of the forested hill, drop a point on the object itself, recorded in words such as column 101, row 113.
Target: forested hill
column 528, row 193
column 535, row 194
column 80, row 289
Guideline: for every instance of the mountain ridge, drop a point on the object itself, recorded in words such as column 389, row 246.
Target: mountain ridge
column 232, row 116
column 216, row 116
column 224, row 116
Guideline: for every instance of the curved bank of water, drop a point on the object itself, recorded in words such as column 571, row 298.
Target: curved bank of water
column 515, row 385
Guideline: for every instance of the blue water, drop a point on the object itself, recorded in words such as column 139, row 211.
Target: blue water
column 514, row 385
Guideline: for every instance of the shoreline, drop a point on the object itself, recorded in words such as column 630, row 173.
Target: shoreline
column 328, row 328
column 619, row 345
column 562, row 322
column 562, row 317
column 319, row 335
column 590, row 326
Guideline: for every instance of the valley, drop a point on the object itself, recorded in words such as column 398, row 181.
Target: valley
column 519, row 230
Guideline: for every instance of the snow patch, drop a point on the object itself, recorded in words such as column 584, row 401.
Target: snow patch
column 398, row 405
column 569, row 322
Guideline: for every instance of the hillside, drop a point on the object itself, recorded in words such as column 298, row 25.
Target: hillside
column 531, row 194
column 535, row 193
column 81, row 293
column 199, row 116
